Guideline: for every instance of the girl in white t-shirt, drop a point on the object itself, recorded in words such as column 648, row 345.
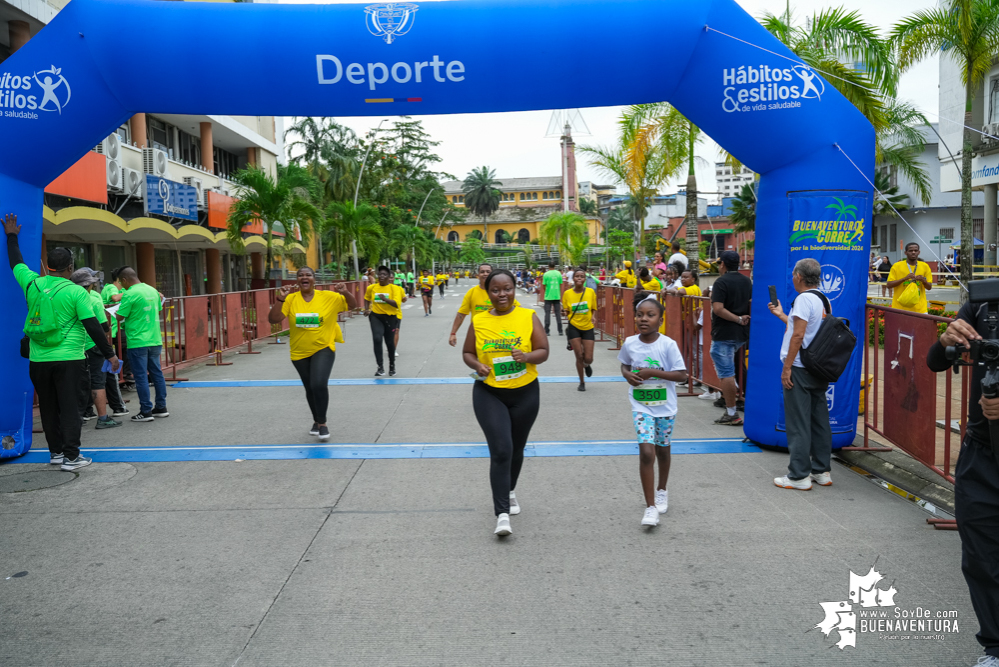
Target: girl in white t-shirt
column 652, row 364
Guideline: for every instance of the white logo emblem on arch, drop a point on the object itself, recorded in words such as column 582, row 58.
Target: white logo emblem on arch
column 390, row 20
column 813, row 87
column 55, row 89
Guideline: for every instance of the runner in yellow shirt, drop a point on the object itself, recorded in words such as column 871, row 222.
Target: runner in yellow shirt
column 426, row 282
column 476, row 301
column 910, row 270
column 382, row 307
column 441, row 282
column 627, row 276
column 503, row 346
column 313, row 333
column 579, row 304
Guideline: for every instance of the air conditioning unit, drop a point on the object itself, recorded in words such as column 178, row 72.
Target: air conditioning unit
column 198, row 185
column 992, row 130
column 154, row 161
column 132, row 181
column 113, row 170
column 111, row 147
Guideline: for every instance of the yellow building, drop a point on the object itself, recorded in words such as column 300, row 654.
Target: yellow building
column 525, row 203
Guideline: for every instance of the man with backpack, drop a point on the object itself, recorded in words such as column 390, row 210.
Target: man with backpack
column 60, row 319
column 806, row 414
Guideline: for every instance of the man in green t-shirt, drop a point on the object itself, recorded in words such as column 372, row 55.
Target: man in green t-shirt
column 140, row 312
column 552, row 281
column 410, row 283
column 93, row 394
column 55, row 369
column 107, row 294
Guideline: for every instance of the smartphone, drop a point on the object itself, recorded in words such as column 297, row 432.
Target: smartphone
column 478, row 378
column 773, row 295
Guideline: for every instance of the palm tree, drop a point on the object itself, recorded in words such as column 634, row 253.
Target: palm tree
column 743, row 215
column 587, row 206
column 969, row 30
column 563, row 230
column 405, row 240
column 653, row 147
column 620, row 220
column 888, row 192
column 833, row 35
column 360, row 224
column 330, row 151
column 481, row 197
column 288, row 200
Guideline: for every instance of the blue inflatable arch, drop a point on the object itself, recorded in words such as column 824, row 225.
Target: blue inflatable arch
column 69, row 87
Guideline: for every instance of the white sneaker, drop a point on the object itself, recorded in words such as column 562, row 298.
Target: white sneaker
column 987, row 661
column 397, row 354
column 56, row 459
column 514, row 505
column 73, row 464
column 651, row 517
column 822, row 478
column 710, row 396
column 503, row 525
column 662, row 500
column 798, row 484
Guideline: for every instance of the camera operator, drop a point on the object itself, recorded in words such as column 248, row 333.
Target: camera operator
column 976, row 480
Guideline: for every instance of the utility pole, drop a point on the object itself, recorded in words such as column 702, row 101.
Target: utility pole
column 693, row 237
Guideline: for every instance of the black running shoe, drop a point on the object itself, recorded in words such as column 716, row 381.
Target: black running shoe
column 391, row 370
column 588, row 370
column 324, row 433
column 89, row 414
column 380, row 372
column 160, row 412
column 720, row 402
column 315, row 429
column 142, row 417
column 581, row 387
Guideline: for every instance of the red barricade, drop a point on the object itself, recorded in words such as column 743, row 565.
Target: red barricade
column 905, row 403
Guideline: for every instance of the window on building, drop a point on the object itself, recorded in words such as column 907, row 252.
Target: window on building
column 166, row 272
column 874, row 237
column 124, row 133
column 894, row 236
column 189, row 149
column 225, row 162
column 994, row 100
column 109, row 258
column 558, row 195
column 80, row 252
column 947, row 233
column 452, row 237
column 534, row 196
column 978, row 228
column 159, row 134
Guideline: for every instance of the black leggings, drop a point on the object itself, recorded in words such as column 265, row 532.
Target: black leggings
column 506, row 417
column 441, row 287
column 315, row 373
column 383, row 327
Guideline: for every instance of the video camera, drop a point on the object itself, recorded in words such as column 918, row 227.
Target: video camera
column 985, row 352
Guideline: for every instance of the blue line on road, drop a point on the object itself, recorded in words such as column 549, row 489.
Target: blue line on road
column 564, row 379
column 421, row 450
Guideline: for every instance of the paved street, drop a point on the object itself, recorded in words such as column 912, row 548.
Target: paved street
column 378, row 549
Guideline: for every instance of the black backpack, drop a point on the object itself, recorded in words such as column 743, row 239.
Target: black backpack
column 830, row 351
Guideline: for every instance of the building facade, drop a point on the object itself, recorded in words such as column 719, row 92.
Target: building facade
column 155, row 193
column 730, row 181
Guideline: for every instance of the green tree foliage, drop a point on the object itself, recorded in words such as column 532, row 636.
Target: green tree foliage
column 567, row 232
column 288, row 200
column 471, row 252
column 888, row 192
column 743, row 215
column 348, row 224
column 587, row 206
column 968, row 32
column 481, row 196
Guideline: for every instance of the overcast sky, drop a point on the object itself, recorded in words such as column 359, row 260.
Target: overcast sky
column 514, row 144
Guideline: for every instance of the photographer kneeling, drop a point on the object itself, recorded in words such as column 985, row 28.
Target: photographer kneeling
column 976, row 476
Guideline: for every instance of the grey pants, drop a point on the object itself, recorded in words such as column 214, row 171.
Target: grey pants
column 806, row 415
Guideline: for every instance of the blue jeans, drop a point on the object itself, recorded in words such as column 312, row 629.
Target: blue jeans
column 147, row 360
column 723, row 355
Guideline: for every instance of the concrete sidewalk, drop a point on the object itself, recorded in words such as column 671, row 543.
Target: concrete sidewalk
column 393, row 562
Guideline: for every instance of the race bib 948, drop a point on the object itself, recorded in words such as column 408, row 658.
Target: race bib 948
column 505, row 368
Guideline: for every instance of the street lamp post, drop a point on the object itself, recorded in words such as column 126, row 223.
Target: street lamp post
column 418, row 224
column 357, row 191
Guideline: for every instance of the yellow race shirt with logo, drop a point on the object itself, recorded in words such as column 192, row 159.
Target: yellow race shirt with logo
column 651, row 286
column 900, row 270
column 426, row 282
column 477, row 301
column 441, row 277
column 393, row 292
column 495, row 337
column 627, row 278
column 693, row 290
column 581, row 307
column 313, row 324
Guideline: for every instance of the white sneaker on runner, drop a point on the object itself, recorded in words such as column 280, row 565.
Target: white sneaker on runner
column 662, row 500
column 822, row 478
column 710, row 396
column 514, row 505
column 503, row 525
column 786, row 482
column 651, row 517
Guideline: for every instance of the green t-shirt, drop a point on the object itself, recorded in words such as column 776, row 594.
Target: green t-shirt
column 140, row 312
column 410, row 278
column 99, row 313
column 553, row 285
column 71, row 305
column 400, row 278
column 109, row 291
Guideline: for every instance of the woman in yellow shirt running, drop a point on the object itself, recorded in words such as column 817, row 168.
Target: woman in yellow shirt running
column 382, row 303
column 313, row 333
column 579, row 305
column 427, row 292
column 503, row 346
